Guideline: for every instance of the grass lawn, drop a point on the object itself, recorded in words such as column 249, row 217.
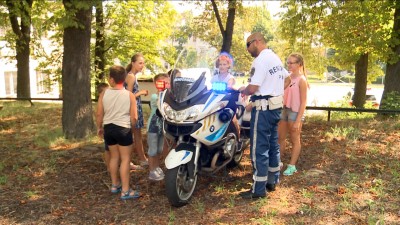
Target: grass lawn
column 349, row 173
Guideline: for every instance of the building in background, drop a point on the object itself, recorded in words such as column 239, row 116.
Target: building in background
column 42, row 85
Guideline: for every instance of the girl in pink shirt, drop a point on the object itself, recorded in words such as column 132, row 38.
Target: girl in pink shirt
column 292, row 117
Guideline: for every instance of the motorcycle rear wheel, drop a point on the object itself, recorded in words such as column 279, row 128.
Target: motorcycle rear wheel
column 179, row 187
column 237, row 157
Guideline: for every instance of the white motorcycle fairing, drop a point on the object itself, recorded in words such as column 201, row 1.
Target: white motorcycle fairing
column 212, row 129
column 176, row 158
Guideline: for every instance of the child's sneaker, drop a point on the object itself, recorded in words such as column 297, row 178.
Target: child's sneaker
column 160, row 171
column 290, row 170
column 154, row 175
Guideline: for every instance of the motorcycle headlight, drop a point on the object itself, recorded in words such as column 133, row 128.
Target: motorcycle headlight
column 179, row 116
column 169, row 111
column 193, row 112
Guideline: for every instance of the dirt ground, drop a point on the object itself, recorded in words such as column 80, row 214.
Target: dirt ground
column 340, row 181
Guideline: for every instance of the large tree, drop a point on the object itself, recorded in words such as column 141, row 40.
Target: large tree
column 20, row 19
column 392, row 78
column 99, row 49
column 77, row 113
column 137, row 26
column 247, row 20
column 357, row 30
column 299, row 31
column 227, row 31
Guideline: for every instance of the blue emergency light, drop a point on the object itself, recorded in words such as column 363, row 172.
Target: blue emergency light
column 219, row 86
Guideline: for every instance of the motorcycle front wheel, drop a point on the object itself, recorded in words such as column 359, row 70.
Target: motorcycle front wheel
column 179, row 187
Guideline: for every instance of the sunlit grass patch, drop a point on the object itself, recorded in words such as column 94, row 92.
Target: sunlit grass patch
column 50, row 165
column 376, row 218
column 394, row 171
column 309, row 209
column 396, row 126
column 171, row 217
column 346, row 202
column 43, row 127
column 259, row 204
column 49, row 138
column 198, row 205
column 377, row 187
column 7, row 131
column 231, row 202
column 361, row 178
column 31, row 194
column 345, row 132
column 219, row 188
column 267, row 217
column 342, row 115
column 14, row 108
column 315, row 118
column 306, row 193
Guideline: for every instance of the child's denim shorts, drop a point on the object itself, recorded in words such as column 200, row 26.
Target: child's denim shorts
column 288, row 115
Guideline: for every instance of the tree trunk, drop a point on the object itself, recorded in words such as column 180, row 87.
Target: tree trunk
column 228, row 32
column 99, row 50
column 360, row 87
column 392, row 78
column 23, row 75
column 21, row 10
column 77, row 114
column 230, row 22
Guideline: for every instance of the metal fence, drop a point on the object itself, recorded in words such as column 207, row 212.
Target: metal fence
column 321, row 108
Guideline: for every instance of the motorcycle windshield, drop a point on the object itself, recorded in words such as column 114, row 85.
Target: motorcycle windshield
column 188, row 83
column 192, row 73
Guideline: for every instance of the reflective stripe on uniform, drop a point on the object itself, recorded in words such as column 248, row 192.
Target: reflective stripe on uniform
column 274, row 169
column 253, row 152
column 261, row 179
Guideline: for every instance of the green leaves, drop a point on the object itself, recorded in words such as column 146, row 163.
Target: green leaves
column 137, row 26
column 247, row 20
column 352, row 28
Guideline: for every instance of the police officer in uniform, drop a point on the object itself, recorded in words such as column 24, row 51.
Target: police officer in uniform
column 268, row 78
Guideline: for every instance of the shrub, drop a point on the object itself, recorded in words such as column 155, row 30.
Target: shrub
column 392, row 101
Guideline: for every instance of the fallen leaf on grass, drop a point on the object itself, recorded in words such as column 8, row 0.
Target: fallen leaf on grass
column 314, row 172
column 341, row 190
column 338, row 139
column 315, row 188
column 350, row 213
column 57, row 212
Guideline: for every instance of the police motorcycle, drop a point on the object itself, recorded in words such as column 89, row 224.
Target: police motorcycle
column 201, row 122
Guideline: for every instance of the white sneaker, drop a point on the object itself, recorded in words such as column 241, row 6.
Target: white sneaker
column 160, row 171
column 154, row 175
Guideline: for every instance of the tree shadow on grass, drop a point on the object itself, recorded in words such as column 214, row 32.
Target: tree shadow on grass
column 339, row 181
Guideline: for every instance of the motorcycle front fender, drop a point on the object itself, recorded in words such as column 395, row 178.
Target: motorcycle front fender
column 176, row 158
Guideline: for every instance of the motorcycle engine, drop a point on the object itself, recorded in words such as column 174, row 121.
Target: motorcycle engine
column 230, row 146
